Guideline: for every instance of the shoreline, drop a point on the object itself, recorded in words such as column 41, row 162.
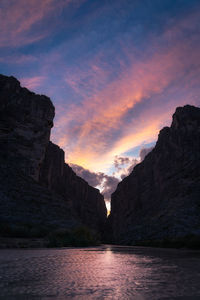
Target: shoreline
column 22, row 243
column 16, row 243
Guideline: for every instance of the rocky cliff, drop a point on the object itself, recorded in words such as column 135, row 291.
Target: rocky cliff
column 36, row 186
column 25, row 123
column 57, row 176
column 160, row 199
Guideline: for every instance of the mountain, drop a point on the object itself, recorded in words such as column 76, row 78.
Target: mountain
column 37, row 187
column 160, row 199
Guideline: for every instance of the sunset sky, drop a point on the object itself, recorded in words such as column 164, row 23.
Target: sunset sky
column 115, row 71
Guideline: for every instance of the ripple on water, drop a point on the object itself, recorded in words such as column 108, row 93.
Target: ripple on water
column 106, row 272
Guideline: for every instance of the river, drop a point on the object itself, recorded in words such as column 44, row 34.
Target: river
column 104, row 272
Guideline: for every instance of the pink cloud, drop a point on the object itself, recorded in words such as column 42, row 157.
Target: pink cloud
column 33, row 82
column 98, row 115
column 88, row 128
column 90, row 78
column 18, row 59
column 95, row 130
column 17, row 18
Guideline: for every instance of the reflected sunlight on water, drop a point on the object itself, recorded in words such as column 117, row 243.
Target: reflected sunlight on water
column 105, row 272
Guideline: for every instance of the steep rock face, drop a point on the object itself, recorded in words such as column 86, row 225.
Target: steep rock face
column 36, row 186
column 25, row 123
column 57, row 176
column 23, row 201
column 161, row 197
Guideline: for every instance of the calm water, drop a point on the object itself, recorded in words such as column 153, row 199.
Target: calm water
column 107, row 272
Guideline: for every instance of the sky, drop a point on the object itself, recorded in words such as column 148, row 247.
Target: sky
column 115, row 71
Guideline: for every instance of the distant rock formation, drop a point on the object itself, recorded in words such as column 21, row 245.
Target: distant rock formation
column 36, row 186
column 160, row 199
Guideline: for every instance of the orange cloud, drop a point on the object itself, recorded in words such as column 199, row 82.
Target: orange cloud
column 143, row 131
column 98, row 116
column 100, row 127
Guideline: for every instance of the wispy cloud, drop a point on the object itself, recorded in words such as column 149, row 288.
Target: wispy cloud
column 18, row 18
column 99, row 117
column 113, row 89
column 32, row 82
column 19, row 59
column 104, row 124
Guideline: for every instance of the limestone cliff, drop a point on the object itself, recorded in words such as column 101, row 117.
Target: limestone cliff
column 36, row 186
column 160, row 199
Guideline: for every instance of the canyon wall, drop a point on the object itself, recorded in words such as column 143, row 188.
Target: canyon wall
column 36, row 186
column 25, row 123
column 160, row 199
column 59, row 177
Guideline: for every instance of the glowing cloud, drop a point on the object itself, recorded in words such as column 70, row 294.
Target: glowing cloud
column 113, row 89
column 93, row 140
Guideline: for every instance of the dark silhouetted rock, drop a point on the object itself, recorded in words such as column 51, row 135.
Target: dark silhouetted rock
column 25, row 123
column 57, row 176
column 36, row 186
column 160, row 199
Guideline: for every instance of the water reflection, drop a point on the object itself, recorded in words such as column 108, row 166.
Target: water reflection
column 107, row 272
